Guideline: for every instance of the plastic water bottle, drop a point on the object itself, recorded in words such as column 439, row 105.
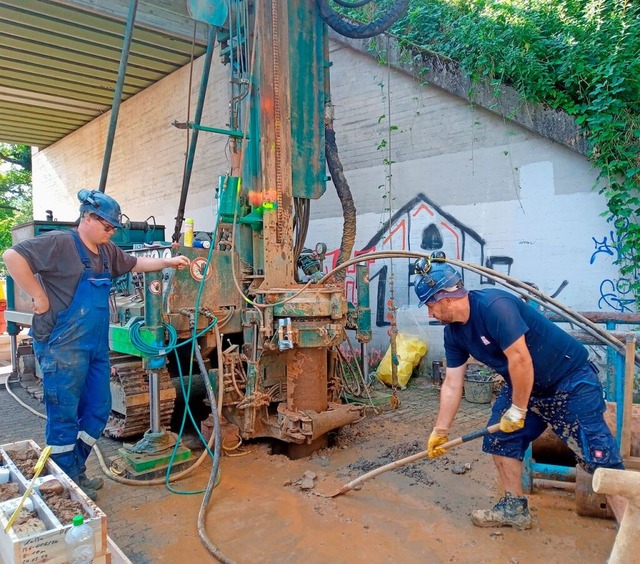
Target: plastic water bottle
column 80, row 542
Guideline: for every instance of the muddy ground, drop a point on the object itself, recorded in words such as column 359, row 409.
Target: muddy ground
column 259, row 513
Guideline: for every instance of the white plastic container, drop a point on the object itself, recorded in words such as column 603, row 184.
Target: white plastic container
column 80, row 542
column 42, row 480
column 5, row 473
column 9, row 506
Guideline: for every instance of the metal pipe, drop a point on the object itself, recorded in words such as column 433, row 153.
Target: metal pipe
column 209, row 129
column 117, row 95
column 627, row 397
column 543, row 483
column 14, row 353
column 618, row 364
column 363, row 330
column 12, row 328
column 186, row 179
column 553, row 472
column 154, row 401
column 364, row 360
column 512, row 283
column 612, row 370
column 153, row 322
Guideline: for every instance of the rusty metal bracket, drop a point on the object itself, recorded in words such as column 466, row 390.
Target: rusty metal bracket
column 307, row 426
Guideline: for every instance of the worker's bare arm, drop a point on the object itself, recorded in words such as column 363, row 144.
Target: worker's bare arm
column 520, row 371
column 450, row 396
column 23, row 276
column 149, row 264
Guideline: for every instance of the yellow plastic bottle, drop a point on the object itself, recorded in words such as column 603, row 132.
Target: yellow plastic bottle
column 188, row 232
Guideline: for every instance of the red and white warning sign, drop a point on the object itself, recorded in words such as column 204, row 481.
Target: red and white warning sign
column 197, row 268
column 155, row 287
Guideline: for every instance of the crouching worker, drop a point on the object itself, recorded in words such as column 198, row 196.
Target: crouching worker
column 548, row 381
column 68, row 276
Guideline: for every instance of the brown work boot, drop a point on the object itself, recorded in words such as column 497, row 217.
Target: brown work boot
column 510, row 511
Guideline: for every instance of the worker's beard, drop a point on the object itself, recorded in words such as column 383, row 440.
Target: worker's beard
column 443, row 311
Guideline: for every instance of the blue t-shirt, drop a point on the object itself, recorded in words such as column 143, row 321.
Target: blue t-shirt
column 497, row 320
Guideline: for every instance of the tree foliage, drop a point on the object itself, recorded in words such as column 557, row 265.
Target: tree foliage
column 15, row 190
column 579, row 56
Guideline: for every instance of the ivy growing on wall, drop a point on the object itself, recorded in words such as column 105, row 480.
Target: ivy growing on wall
column 579, row 56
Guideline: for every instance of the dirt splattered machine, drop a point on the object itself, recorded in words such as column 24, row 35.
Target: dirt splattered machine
column 266, row 332
column 272, row 347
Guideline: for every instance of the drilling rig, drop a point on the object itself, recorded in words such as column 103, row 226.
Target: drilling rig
column 264, row 332
column 277, row 377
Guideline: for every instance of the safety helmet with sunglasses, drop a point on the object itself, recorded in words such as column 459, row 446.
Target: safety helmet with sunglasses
column 100, row 204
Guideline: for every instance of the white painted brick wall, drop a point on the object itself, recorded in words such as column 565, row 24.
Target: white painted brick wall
column 528, row 198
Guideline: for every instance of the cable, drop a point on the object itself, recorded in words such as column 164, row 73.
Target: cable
column 27, row 407
column 149, row 348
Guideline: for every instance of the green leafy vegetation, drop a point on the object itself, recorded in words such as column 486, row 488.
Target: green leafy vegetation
column 15, row 190
column 579, row 56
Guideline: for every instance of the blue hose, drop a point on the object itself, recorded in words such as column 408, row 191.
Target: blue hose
column 172, row 345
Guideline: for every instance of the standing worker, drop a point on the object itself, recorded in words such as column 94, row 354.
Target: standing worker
column 548, row 381
column 68, row 276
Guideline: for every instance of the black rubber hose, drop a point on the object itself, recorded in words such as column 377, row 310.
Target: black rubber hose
column 346, row 198
column 357, row 4
column 361, row 31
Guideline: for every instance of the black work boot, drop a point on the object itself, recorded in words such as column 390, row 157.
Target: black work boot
column 87, row 485
column 510, row 511
column 91, row 483
column 90, row 493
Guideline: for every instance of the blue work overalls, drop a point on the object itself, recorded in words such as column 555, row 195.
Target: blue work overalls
column 75, row 368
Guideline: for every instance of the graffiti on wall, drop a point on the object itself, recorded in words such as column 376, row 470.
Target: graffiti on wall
column 420, row 225
column 615, row 293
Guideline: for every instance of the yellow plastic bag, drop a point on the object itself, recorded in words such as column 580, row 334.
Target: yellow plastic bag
column 409, row 351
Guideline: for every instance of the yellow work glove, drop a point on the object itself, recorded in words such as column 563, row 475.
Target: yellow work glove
column 513, row 419
column 436, row 440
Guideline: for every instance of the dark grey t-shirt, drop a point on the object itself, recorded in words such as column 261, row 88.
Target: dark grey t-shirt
column 53, row 257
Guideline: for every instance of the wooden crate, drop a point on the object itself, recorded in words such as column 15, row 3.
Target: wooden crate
column 47, row 546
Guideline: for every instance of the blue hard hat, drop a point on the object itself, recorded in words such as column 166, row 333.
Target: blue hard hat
column 441, row 276
column 100, row 204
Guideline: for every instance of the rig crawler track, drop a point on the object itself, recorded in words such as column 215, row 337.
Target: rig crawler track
column 130, row 397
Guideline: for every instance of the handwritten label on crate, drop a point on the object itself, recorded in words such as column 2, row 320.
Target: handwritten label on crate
column 42, row 549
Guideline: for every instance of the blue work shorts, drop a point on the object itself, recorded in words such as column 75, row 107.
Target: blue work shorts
column 575, row 412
